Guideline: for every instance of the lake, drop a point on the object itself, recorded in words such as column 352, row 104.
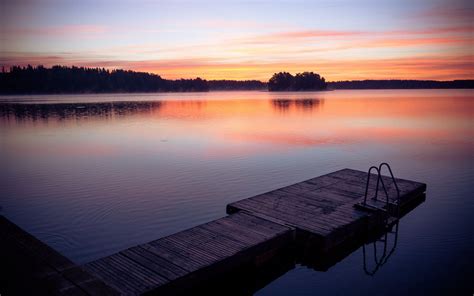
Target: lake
column 91, row 175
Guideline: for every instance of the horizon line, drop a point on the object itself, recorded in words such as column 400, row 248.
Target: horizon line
column 222, row 79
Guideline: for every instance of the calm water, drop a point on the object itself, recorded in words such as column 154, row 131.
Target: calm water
column 94, row 174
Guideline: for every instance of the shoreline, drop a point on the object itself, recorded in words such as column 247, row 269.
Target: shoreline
column 214, row 91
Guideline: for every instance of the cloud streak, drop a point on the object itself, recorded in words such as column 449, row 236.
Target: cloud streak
column 441, row 67
column 435, row 42
column 56, row 30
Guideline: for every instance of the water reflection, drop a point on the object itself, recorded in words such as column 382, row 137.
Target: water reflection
column 308, row 253
column 389, row 243
column 94, row 184
column 178, row 109
column 284, row 105
column 33, row 112
column 245, row 126
column 384, row 236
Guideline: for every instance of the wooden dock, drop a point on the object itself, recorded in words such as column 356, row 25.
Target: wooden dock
column 257, row 230
column 191, row 255
column 30, row 267
column 323, row 207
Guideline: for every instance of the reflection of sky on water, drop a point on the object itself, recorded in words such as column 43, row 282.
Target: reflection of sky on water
column 94, row 178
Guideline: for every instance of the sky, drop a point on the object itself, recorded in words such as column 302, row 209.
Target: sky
column 339, row 39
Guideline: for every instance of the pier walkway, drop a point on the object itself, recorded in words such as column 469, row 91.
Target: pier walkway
column 323, row 210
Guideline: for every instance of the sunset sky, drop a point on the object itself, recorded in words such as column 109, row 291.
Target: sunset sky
column 403, row 39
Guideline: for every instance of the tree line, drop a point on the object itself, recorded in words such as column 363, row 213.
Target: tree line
column 62, row 79
column 401, row 84
column 236, row 84
column 284, row 81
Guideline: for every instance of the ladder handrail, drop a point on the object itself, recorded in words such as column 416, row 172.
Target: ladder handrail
column 393, row 179
column 384, row 189
column 386, row 254
column 368, row 180
column 379, row 180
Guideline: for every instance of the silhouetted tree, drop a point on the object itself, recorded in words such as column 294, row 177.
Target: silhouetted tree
column 60, row 79
column 309, row 81
column 284, row 81
column 280, row 82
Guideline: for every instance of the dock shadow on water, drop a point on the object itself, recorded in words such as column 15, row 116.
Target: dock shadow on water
column 377, row 246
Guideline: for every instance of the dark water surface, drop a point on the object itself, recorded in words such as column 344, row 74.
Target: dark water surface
column 94, row 174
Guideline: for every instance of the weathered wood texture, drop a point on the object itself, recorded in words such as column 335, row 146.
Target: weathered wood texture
column 191, row 255
column 319, row 210
column 29, row 267
column 324, row 206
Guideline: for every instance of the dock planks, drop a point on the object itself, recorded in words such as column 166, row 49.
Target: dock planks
column 207, row 249
column 30, row 267
column 324, row 206
column 319, row 210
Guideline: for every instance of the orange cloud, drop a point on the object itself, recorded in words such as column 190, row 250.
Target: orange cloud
column 400, row 42
column 436, row 67
column 289, row 36
column 337, row 55
column 441, row 67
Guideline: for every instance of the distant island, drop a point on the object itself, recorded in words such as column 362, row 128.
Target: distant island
column 305, row 81
column 72, row 80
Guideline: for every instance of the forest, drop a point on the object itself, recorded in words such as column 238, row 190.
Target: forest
column 401, row 84
column 62, row 79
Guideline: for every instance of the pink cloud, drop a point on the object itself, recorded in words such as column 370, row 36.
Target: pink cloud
column 292, row 35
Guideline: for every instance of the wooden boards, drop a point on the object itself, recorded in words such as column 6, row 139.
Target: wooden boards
column 318, row 210
column 193, row 254
column 324, row 206
column 29, row 267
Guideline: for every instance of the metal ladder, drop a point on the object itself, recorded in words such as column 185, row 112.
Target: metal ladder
column 391, row 218
column 392, row 209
